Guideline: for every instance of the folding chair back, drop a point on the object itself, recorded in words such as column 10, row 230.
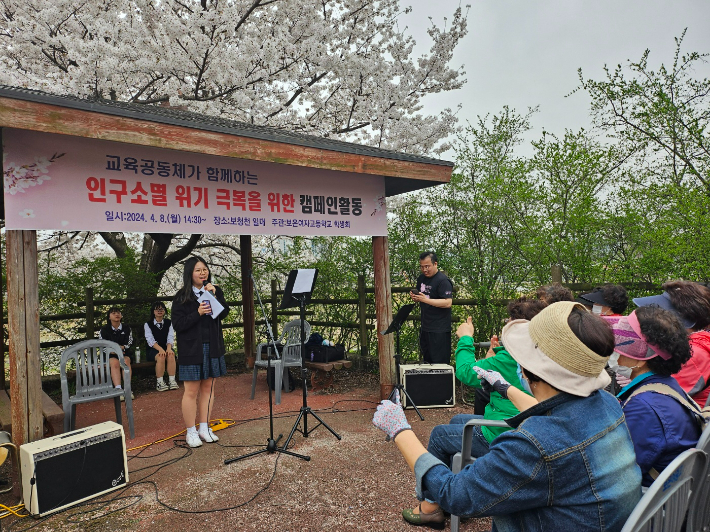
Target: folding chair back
column 664, row 506
column 464, row 458
column 699, row 511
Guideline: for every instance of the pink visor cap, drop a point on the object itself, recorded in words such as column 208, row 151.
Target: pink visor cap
column 630, row 341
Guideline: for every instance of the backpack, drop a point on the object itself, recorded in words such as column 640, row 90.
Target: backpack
column 315, row 339
column 702, row 415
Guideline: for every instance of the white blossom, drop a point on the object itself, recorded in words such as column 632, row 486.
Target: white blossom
column 333, row 68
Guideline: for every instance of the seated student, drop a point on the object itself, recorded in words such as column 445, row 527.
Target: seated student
column 160, row 337
column 568, row 463
column 651, row 345
column 691, row 303
column 120, row 333
column 445, row 440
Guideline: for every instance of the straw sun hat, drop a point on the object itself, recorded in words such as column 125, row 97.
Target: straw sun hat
column 547, row 347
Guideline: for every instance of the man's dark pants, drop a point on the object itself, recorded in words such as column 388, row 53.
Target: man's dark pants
column 436, row 347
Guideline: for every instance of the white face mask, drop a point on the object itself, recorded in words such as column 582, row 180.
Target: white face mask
column 624, row 371
column 597, row 309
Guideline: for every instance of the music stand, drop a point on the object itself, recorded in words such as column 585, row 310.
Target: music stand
column 395, row 327
column 299, row 288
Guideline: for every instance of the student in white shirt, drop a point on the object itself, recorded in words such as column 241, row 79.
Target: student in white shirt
column 160, row 337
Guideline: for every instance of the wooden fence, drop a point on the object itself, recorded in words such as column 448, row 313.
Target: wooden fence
column 363, row 323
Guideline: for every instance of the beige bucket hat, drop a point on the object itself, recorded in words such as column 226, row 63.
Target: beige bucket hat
column 547, row 347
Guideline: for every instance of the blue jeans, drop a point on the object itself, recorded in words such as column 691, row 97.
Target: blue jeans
column 445, row 440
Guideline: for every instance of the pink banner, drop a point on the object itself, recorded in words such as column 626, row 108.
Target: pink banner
column 71, row 183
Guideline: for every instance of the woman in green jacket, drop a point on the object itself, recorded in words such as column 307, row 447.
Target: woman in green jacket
column 445, row 440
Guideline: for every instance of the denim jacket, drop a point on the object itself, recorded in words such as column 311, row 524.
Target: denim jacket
column 568, row 464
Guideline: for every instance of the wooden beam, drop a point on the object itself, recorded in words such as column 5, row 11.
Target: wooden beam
column 383, row 313
column 65, row 121
column 23, row 326
column 248, row 316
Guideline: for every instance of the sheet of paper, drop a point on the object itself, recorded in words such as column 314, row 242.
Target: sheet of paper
column 217, row 307
column 304, row 281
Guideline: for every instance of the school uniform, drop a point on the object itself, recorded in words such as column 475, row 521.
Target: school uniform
column 200, row 340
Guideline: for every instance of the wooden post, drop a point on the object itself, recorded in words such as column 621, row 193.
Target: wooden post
column 556, row 271
column 247, row 296
column 383, row 314
column 89, row 300
column 2, row 330
column 274, row 308
column 23, row 326
column 362, row 317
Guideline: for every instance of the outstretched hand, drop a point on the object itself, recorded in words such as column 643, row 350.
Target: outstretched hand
column 389, row 417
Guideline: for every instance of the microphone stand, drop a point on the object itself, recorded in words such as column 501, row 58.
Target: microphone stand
column 271, row 443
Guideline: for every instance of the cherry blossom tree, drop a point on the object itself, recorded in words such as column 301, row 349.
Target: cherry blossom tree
column 332, row 68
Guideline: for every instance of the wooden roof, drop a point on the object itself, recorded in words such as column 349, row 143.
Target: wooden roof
column 175, row 129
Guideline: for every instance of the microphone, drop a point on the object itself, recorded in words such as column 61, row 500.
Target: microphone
column 204, row 286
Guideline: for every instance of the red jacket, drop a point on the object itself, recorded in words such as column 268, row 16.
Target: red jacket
column 694, row 376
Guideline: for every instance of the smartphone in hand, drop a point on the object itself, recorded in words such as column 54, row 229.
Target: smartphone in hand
column 415, row 291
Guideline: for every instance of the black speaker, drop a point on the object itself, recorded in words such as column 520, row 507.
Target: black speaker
column 429, row 385
column 70, row 468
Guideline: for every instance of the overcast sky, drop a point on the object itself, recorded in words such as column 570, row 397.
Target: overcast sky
column 525, row 53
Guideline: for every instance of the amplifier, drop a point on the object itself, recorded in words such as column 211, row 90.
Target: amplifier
column 429, row 385
column 67, row 469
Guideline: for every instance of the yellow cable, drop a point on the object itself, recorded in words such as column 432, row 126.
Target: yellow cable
column 13, row 510
column 215, row 424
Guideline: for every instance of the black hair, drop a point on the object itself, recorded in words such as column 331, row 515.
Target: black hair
column 662, row 328
column 616, row 296
column 524, row 308
column 552, row 293
column 108, row 314
column 431, row 255
column 153, row 307
column 592, row 331
column 185, row 293
column 691, row 300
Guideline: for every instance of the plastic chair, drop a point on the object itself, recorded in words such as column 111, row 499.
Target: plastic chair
column 699, row 509
column 290, row 355
column 93, row 380
column 464, row 458
column 663, row 507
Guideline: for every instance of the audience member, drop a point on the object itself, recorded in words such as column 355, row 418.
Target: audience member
column 554, row 292
column 445, row 440
column 569, row 461
column 651, row 345
column 691, row 303
column 609, row 301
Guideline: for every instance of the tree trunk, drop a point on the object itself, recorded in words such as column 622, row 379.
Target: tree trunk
column 154, row 257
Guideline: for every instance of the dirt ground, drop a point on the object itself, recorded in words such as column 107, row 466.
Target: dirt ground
column 359, row 482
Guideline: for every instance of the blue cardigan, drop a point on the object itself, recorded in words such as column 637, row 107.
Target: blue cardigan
column 661, row 428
